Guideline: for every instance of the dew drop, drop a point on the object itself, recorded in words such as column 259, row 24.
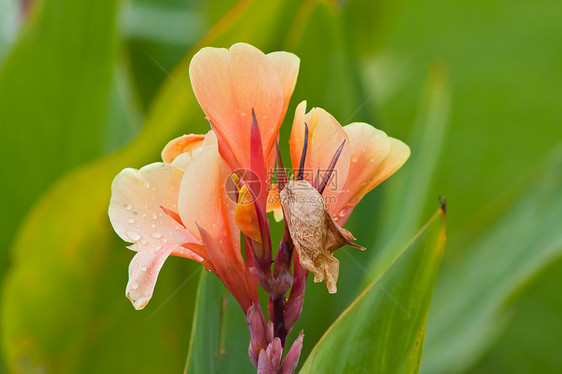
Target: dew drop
column 135, row 285
column 146, row 184
column 154, row 216
column 156, row 249
column 156, row 235
column 133, row 235
column 164, row 240
column 354, row 159
column 130, row 220
column 144, row 268
column 153, row 226
column 341, row 213
column 128, row 207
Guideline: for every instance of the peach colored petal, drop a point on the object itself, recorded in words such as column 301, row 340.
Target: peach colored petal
column 325, row 135
column 375, row 156
column 228, row 84
column 144, row 269
column 143, row 272
column 135, row 207
column 136, row 215
column 203, row 199
column 181, row 145
column 287, row 67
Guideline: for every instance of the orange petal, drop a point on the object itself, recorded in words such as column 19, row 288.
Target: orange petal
column 374, row 157
column 181, row 145
column 229, row 83
column 325, row 135
column 203, row 199
column 181, row 151
column 246, row 216
column 274, row 203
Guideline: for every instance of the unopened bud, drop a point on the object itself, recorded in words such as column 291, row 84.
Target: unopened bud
column 270, row 358
column 256, row 326
column 292, row 358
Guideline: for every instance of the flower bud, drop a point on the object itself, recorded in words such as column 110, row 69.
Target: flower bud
column 292, row 358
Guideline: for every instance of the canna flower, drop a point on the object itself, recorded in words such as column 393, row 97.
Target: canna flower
column 211, row 188
column 353, row 160
column 179, row 207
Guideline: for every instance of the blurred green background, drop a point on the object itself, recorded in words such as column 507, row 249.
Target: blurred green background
column 88, row 88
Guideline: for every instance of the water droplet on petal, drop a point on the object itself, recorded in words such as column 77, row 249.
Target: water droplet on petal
column 144, row 242
column 153, row 226
column 354, row 159
column 154, row 216
column 156, row 235
column 164, row 240
column 146, row 184
column 144, row 268
column 156, row 249
column 133, row 235
column 128, row 207
column 135, row 285
column 341, row 213
column 130, row 220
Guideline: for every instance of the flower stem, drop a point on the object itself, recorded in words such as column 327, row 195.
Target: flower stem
column 279, row 319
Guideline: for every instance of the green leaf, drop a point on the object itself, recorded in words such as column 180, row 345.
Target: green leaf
column 407, row 193
column 54, row 88
column 219, row 337
column 479, row 279
column 383, row 330
column 531, row 341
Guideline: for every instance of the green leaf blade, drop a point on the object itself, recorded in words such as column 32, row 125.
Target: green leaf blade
column 219, row 338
